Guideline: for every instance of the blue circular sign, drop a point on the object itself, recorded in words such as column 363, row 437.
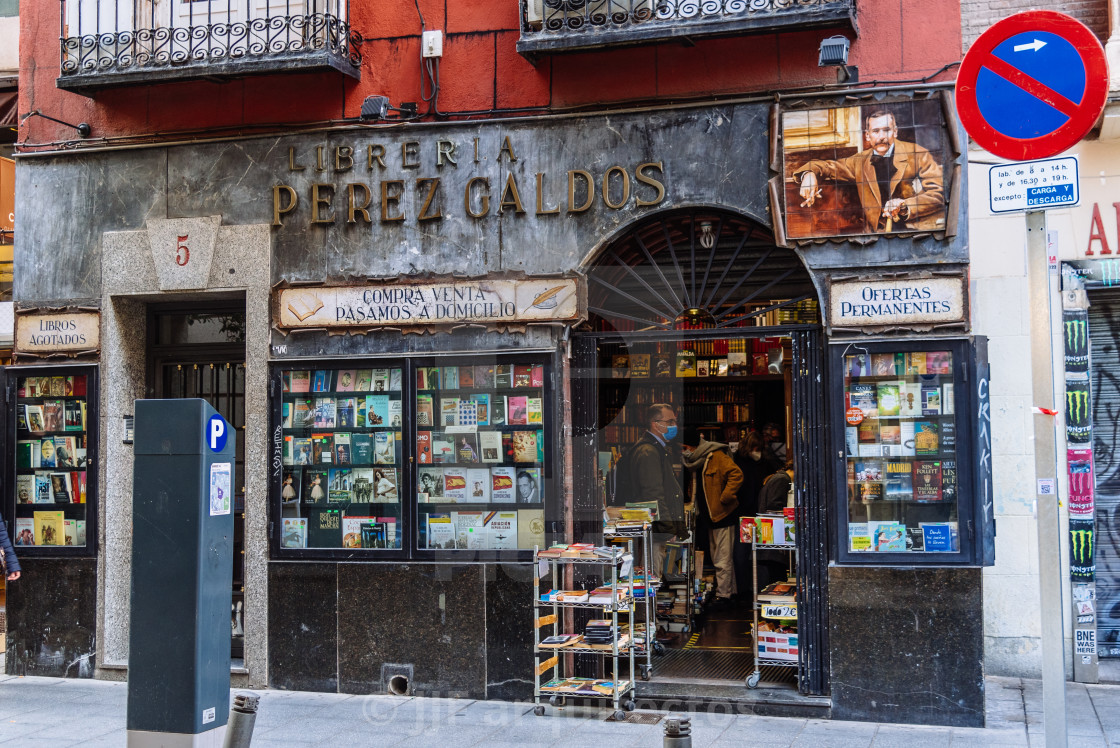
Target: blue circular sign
column 217, row 431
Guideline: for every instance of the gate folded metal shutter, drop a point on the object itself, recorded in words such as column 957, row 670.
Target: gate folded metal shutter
column 1104, row 338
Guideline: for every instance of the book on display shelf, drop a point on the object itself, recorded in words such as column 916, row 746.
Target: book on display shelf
column 481, row 409
column 443, row 449
column 441, row 532
column 385, row 447
column 424, row 412
column 324, row 528
column 478, row 485
column 293, row 532
column 347, row 378
column 450, row 377
column 470, row 532
column 926, row 438
column 455, row 484
column 466, row 377
column 503, row 485
column 429, row 481
column 927, row 481
column 361, row 449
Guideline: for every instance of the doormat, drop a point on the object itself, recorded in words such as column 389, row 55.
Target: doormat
column 637, row 718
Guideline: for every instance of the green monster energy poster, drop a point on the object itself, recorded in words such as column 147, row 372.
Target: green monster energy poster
column 1078, row 421
column 1075, row 329
column 1082, row 545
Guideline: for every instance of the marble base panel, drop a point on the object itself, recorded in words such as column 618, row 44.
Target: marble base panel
column 52, row 615
column 907, row 645
column 460, row 631
column 303, row 626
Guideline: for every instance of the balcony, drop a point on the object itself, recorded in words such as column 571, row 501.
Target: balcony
column 114, row 43
column 564, row 25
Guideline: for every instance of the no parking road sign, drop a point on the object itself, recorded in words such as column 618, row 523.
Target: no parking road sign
column 1032, row 85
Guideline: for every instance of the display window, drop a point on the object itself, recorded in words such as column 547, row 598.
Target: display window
column 907, row 453
column 413, row 457
column 55, row 447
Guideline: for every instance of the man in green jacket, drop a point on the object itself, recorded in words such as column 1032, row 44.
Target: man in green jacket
column 654, row 480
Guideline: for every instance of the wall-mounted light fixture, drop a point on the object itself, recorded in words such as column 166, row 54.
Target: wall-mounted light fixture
column 83, row 128
column 834, row 51
column 378, row 107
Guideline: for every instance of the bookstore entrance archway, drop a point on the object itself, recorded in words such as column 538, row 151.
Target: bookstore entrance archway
column 700, row 309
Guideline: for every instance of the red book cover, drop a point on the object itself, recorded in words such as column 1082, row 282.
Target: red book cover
column 424, row 447
column 522, row 375
column 80, row 385
column 537, row 375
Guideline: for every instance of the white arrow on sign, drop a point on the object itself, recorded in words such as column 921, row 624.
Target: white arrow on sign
column 1036, row 45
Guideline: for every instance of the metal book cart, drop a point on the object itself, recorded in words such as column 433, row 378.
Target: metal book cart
column 648, row 606
column 777, row 611
column 619, row 692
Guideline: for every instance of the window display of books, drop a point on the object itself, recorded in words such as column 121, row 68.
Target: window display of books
column 52, row 456
column 341, row 457
column 480, row 455
column 900, row 441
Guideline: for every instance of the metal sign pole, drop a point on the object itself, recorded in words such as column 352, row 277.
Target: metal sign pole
column 1050, row 578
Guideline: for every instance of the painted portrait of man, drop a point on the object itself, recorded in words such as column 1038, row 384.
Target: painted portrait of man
column 861, row 170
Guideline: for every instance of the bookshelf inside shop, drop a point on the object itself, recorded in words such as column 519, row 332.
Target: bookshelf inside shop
column 901, row 452
column 716, row 387
column 53, row 454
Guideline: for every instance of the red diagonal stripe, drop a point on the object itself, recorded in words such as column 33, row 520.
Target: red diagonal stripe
column 1038, row 90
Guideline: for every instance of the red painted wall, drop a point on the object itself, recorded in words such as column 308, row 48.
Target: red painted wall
column 480, row 70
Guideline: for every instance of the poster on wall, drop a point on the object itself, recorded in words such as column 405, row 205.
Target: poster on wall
column 880, row 168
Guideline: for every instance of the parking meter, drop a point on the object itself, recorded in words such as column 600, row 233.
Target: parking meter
column 182, row 575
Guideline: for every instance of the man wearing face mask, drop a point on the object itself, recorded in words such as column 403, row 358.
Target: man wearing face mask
column 654, row 479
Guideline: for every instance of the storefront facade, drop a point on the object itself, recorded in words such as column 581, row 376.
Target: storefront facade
column 524, row 248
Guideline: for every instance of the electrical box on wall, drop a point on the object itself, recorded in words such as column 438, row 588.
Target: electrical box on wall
column 432, row 43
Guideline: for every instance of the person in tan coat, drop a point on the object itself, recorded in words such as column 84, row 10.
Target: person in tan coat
column 899, row 184
column 715, row 495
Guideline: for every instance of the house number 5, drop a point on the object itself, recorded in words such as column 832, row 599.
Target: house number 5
column 182, row 252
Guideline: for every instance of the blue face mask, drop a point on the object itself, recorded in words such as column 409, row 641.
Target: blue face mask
column 671, row 433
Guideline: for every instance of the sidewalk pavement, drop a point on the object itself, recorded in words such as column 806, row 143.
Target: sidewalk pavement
column 59, row 712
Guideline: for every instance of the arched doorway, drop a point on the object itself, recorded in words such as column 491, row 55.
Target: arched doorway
column 699, row 309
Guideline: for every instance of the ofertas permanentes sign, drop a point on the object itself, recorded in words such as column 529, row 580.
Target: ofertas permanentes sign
column 433, row 303
column 1033, row 185
column 919, row 301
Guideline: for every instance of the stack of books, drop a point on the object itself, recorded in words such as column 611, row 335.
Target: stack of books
column 599, row 631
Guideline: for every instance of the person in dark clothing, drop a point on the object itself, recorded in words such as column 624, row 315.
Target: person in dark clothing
column 773, row 566
column 11, row 563
column 756, row 467
column 654, row 480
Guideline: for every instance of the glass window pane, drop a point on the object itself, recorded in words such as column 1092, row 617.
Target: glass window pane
column 342, row 456
column 480, row 453
column 901, row 452
column 51, row 460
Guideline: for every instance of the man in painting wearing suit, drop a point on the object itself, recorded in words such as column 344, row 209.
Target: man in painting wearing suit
column 899, row 183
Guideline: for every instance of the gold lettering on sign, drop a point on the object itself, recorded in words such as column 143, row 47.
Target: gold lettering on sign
column 343, row 158
column 292, row 165
column 410, row 154
column 484, row 197
column 476, row 150
column 588, row 181
column 353, row 207
column 432, row 184
column 321, row 201
column 507, row 149
column 391, row 200
column 320, row 164
column 625, row 187
column 445, row 149
column 511, row 198
column 375, row 153
column 644, row 178
column 277, row 211
column 541, row 211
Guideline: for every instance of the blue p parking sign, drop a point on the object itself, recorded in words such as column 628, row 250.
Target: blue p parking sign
column 216, row 433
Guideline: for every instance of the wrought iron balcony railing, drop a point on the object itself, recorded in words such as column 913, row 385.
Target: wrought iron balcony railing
column 558, row 25
column 108, row 43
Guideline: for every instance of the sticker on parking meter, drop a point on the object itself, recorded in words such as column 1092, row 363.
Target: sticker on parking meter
column 219, row 488
column 216, row 435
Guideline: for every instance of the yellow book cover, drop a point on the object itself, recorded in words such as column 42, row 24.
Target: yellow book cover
column 49, row 528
